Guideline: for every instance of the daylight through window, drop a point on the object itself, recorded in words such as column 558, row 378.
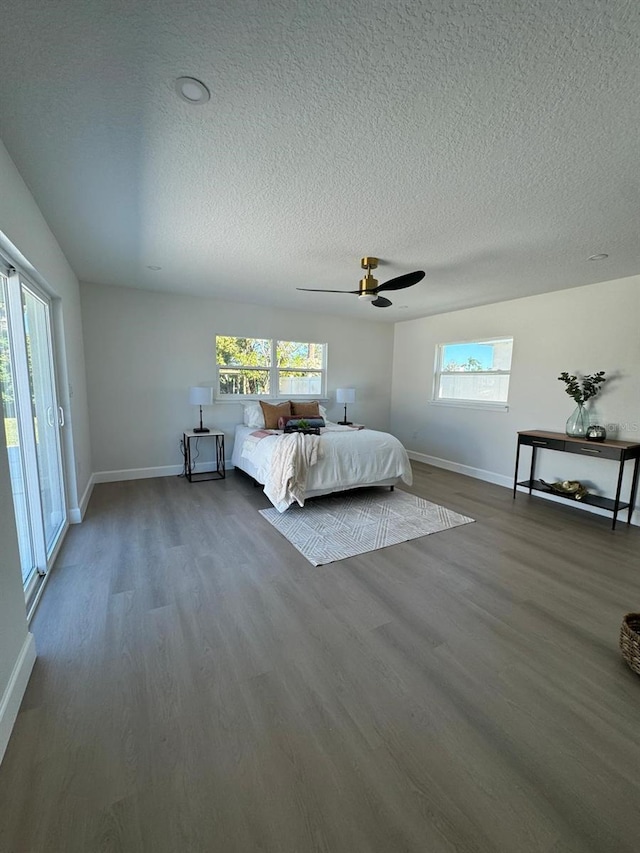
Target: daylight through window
column 474, row 372
column 260, row 367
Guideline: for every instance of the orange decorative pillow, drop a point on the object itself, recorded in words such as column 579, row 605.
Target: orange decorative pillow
column 305, row 410
column 273, row 413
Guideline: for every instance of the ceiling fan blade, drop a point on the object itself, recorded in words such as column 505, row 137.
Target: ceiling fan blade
column 320, row 290
column 381, row 302
column 402, row 281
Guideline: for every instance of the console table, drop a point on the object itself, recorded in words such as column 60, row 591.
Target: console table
column 620, row 451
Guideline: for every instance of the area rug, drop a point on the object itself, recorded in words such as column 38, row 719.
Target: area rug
column 335, row 527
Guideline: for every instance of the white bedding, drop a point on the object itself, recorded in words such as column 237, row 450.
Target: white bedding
column 348, row 458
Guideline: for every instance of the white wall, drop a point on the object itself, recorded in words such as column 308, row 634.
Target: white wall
column 581, row 330
column 143, row 351
column 23, row 227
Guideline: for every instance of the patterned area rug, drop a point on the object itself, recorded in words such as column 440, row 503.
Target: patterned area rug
column 335, row 527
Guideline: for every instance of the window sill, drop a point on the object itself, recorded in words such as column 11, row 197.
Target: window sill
column 301, row 397
column 471, row 404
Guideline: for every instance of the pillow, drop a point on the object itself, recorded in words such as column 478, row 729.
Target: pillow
column 323, row 412
column 273, row 413
column 305, row 410
column 253, row 416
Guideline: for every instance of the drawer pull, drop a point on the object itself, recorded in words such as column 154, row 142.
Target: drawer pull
column 543, row 443
column 589, row 450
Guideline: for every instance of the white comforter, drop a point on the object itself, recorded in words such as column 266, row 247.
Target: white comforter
column 347, row 458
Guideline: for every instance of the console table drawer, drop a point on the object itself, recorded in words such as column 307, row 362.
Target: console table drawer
column 549, row 443
column 591, row 449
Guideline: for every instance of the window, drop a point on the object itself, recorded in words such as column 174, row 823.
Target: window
column 475, row 373
column 260, row 367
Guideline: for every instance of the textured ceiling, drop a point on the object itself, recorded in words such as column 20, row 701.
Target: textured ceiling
column 494, row 145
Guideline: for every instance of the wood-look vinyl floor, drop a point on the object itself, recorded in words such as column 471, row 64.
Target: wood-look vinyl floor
column 200, row 687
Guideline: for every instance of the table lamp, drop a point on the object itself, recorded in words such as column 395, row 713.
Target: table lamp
column 345, row 395
column 199, row 396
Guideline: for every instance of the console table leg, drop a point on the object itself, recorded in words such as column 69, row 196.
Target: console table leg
column 533, row 465
column 634, row 489
column 515, row 475
column 617, row 501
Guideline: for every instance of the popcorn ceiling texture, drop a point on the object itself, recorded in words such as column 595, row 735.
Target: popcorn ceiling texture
column 494, row 144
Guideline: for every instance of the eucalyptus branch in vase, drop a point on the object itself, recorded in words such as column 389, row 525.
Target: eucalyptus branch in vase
column 581, row 390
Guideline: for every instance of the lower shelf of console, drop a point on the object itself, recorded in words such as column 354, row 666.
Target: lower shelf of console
column 589, row 500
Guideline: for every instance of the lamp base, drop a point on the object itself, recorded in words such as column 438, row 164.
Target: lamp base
column 201, row 429
column 345, row 423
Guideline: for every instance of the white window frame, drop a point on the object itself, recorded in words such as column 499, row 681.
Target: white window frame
column 274, row 373
column 493, row 405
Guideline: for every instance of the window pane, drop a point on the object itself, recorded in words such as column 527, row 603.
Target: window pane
column 296, row 354
column 244, row 381
column 292, row 383
column 481, row 387
column 243, row 352
column 486, row 355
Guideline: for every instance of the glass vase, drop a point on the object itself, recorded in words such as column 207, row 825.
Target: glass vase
column 578, row 423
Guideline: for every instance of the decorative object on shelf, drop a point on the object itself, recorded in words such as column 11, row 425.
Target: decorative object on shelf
column 581, row 390
column 595, row 432
column 567, row 488
column 578, row 422
column 200, row 396
column 630, row 640
column 345, row 395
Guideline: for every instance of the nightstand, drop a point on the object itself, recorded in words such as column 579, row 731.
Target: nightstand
column 191, row 452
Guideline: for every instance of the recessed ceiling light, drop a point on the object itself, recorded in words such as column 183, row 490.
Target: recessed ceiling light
column 192, row 90
column 155, row 269
column 600, row 257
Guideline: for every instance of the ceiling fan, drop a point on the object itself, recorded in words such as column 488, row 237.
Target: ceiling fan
column 369, row 287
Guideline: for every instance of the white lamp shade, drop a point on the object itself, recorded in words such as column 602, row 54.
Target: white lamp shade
column 200, row 396
column 345, row 395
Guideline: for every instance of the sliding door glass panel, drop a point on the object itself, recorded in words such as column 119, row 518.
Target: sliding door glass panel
column 45, row 412
column 14, row 444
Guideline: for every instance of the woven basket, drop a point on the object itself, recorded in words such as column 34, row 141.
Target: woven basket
column 630, row 640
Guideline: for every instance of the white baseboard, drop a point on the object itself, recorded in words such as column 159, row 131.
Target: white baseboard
column 507, row 482
column 146, row 473
column 10, row 704
column 459, row 468
column 76, row 514
column 136, row 473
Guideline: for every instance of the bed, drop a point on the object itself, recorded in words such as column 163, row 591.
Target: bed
column 347, row 458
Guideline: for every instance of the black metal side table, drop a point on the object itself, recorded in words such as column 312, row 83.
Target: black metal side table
column 217, row 473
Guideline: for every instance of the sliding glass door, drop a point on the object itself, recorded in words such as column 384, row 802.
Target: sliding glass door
column 46, row 415
column 32, row 420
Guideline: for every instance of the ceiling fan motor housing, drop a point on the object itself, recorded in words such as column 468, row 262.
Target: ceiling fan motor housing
column 367, row 284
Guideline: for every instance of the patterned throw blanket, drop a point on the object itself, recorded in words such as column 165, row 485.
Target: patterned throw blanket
column 293, row 455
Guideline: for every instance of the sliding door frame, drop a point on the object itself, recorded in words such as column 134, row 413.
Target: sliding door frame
column 43, row 557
